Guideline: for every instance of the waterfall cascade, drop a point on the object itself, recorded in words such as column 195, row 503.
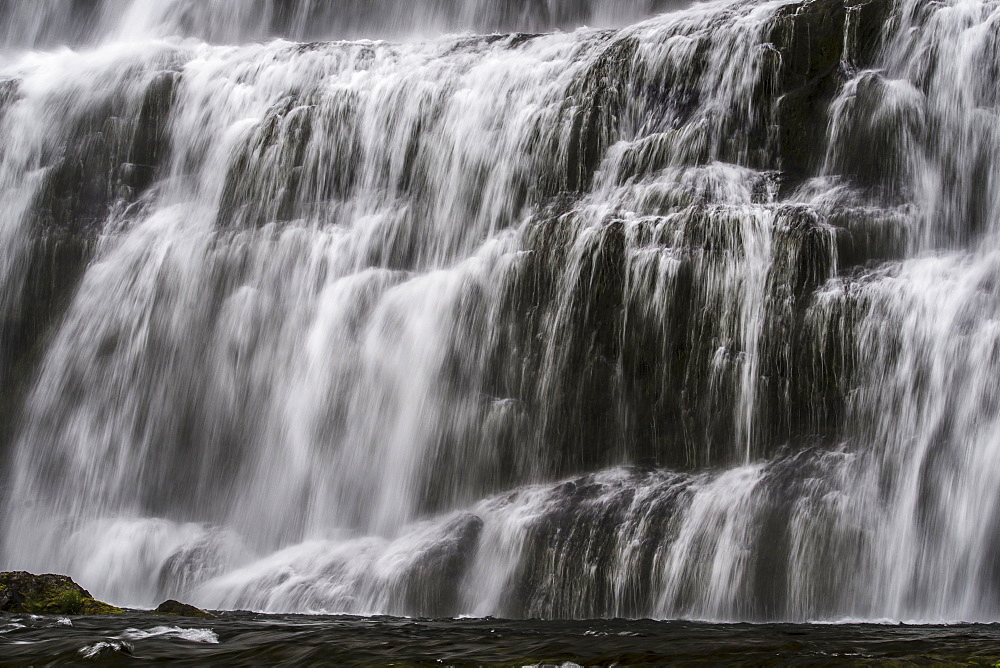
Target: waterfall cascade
column 690, row 314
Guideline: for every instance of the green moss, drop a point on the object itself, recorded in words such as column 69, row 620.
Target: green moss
column 49, row 594
column 66, row 601
column 71, row 602
column 94, row 607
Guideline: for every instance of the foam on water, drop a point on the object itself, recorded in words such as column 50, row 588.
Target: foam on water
column 105, row 648
column 191, row 635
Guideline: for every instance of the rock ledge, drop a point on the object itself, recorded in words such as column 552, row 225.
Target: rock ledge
column 179, row 609
column 50, row 594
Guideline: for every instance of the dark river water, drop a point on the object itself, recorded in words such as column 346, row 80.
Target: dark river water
column 246, row 638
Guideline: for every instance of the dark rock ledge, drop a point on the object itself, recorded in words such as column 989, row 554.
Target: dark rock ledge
column 178, row 609
column 50, row 594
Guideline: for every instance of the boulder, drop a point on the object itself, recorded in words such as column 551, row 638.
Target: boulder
column 22, row 592
column 178, row 609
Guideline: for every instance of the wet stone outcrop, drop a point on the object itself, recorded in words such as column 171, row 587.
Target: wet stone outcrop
column 432, row 584
column 22, row 592
column 178, row 609
column 816, row 43
column 95, row 170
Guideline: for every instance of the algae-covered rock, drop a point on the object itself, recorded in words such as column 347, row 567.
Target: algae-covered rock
column 179, row 609
column 48, row 594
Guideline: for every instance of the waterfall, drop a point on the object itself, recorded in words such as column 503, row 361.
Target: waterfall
column 47, row 23
column 525, row 309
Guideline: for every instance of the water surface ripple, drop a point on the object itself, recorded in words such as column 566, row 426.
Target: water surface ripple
column 242, row 638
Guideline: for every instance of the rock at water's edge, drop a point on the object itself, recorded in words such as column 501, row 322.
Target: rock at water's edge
column 179, row 609
column 48, row 594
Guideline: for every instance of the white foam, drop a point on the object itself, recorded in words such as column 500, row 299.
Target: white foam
column 192, row 635
column 105, row 647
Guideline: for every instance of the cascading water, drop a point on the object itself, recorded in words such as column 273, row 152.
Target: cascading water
column 39, row 23
column 695, row 317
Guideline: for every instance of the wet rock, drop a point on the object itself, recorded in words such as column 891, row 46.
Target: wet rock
column 150, row 142
column 872, row 234
column 597, row 100
column 518, row 38
column 875, row 126
column 432, row 584
column 688, row 145
column 179, row 609
column 52, row 266
column 866, row 22
column 264, row 179
column 8, row 92
column 578, row 537
column 49, row 594
column 195, row 563
column 803, row 248
column 817, row 41
column 809, row 37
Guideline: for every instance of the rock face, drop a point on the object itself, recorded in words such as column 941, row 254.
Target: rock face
column 48, row 594
column 179, row 609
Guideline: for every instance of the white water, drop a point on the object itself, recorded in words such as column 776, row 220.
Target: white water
column 386, row 324
column 47, row 23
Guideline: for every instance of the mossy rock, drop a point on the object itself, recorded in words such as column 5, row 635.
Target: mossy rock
column 49, row 594
column 178, row 609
